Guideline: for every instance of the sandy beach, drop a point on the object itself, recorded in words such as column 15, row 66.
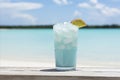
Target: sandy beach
column 11, row 63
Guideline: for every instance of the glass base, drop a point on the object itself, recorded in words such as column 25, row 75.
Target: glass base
column 65, row 68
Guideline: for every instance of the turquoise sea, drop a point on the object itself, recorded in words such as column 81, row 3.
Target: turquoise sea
column 96, row 47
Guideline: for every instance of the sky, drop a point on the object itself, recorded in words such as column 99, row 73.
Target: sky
column 42, row 12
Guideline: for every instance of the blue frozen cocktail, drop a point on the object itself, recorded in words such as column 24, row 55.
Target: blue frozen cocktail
column 65, row 35
column 65, row 40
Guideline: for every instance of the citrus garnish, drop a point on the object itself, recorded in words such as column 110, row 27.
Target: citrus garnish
column 79, row 23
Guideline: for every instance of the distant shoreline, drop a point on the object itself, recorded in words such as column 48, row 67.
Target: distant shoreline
column 51, row 26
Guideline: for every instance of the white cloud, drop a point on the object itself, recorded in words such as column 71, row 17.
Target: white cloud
column 20, row 5
column 94, row 1
column 77, row 13
column 110, row 11
column 102, row 8
column 25, row 16
column 115, row 0
column 95, row 12
column 99, row 6
column 15, row 10
column 62, row 2
column 4, row 0
column 84, row 5
column 57, row 1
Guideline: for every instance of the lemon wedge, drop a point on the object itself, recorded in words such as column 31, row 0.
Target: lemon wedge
column 79, row 23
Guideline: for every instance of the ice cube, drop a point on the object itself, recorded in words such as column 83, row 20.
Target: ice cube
column 66, row 41
column 62, row 47
column 74, row 44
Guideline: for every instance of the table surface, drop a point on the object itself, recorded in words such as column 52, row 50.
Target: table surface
column 48, row 71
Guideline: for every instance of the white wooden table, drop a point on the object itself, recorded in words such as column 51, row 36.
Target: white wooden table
column 39, row 73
